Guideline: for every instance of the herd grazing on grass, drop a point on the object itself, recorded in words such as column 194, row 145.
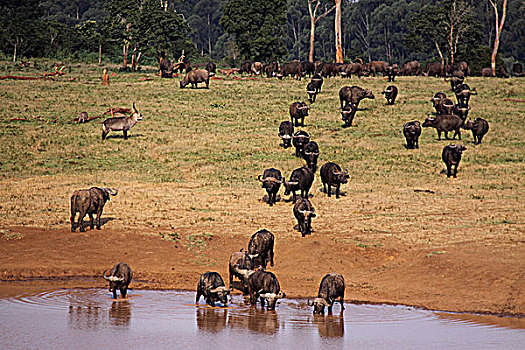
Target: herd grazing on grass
column 249, row 266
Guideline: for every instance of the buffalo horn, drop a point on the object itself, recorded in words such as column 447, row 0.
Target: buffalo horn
column 286, row 137
column 310, row 92
column 259, row 177
column 291, row 183
column 273, row 179
column 310, row 303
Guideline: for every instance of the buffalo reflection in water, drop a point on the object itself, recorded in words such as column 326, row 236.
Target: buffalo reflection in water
column 85, row 317
column 211, row 319
column 257, row 320
column 330, row 326
column 120, row 313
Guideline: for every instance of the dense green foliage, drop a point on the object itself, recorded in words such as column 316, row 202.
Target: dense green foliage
column 234, row 30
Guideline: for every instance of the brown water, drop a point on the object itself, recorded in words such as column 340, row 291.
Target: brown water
column 90, row 319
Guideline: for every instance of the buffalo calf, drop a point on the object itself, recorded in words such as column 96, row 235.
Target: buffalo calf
column 286, row 130
column 348, row 114
column 304, row 211
column 390, row 94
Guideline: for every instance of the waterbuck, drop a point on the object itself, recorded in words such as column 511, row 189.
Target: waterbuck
column 120, row 121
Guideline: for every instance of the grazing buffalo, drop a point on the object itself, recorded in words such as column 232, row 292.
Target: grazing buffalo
column 301, row 179
column 310, row 154
column 332, row 287
column 390, row 94
column 410, row 68
column 119, row 278
column 377, row 67
column 212, row 287
column 433, row 70
column 307, row 68
column 194, row 77
column 298, row 111
column 271, row 181
column 348, row 114
column 290, row 69
column 264, row 285
column 392, row 72
column 246, row 67
column 311, row 91
column 256, row 68
column 211, row 68
column 240, row 266
column 452, row 156
column 332, row 175
column 412, row 131
column 271, row 69
column 486, row 72
column 445, row 123
column 89, row 202
column 299, row 140
column 318, row 81
column 121, row 122
column 354, row 95
column 304, row 211
column 355, row 69
column 260, row 248
column 326, row 69
column 479, row 128
column 286, row 133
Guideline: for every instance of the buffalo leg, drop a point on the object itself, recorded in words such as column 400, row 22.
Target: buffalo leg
column 337, row 191
column 81, row 220
column 341, row 301
column 329, row 190
column 458, row 132
column 91, row 226
column 455, row 169
column 123, row 291
column 114, row 293
column 449, row 170
column 198, row 296
column 99, row 214
column 446, row 135
column 72, row 220
column 439, row 135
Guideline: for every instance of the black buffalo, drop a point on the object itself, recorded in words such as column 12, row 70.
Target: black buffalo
column 445, row 106
column 298, row 111
column 332, row 287
column 332, row 175
column 290, row 69
column 260, row 248
column 310, row 154
column 479, row 128
column 318, row 81
column 354, row 95
column 286, row 130
column 463, row 93
column 271, row 181
column 307, row 68
column 211, row 68
column 433, row 69
column 392, row 71
column 410, row 68
column 311, row 91
column 304, row 211
column 212, row 287
column 299, row 140
column 412, row 131
column 89, row 202
column 119, row 278
column 436, row 100
column 452, row 156
column 347, row 114
column 301, row 179
column 240, row 266
column 264, row 285
column 390, row 94
column 445, row 123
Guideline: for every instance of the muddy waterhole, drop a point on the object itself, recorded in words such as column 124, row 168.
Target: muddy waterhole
column 90, row 319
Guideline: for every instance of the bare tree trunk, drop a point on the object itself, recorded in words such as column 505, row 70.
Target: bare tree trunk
column 100, row 54
column 125, row 54
column 313, row 21
column 14, row 53
column 338, row 45
column 499, row 27
column 312, row 40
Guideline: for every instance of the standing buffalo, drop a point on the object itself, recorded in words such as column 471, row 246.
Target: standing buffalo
column 301, row 179
column 311, row 91
column 377, row 67
column 348, row 114
column 486, row 72
column 412, row 131
column 298, row 110
column 410, row 68
column 318, row 81
column 456, row 79
column 256, row 68
column 299, row 140
column 390, row 94
column 463, row 66
column 517, row 69
column 211, row 68
column 307, row 68
column 310, row 154
column 479, row 128
column 332, row 287
column 286, row 133
column 392, row 72
column 304, row 211
column 326, row 69
column 354, row 68
column 433, row 69
column 121, row 122
column 271, row 181
column 246, row 67
column 264, row 285
column 463, row 93
column 452, row 156
column 119, row 278
column 354, row 95
column 89, row 202
column 212, row 287
column 260, row 248
column 445, row 123
column 436, row 100
column 241, row 267
column 332, row 175
column 194, row 77
column 290, row 69
column 445, row 106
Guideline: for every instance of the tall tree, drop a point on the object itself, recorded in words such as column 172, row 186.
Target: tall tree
column 257, row 26
column 337, row 30
column 499, row 27
column 313, row 20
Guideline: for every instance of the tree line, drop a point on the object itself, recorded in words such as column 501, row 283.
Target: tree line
column 135, row 32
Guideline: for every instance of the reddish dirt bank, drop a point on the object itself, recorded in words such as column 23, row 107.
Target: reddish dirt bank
column 472, row 277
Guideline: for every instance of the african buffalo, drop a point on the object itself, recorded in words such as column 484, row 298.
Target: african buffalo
column 89, row 202
column 463, row 66
column 436, row 100
column 410, row 68
column 264, row 285
column 119, row 278
column 246, row 67
column 326, row 69
column 121, row 122
column 212, row 287
column 354, row 68
column 271, row 181
column 290, row 69
column 332, row 287
column 332, row 175
column 348, row 114
column 298, row 110
column 445, row 106
column 318, row 81
column 479, row 128
column 310, row 153
column 517, row 69
column 445, row 123
column 452, row 156
column 377, row 67
column 211, row 68
column 412, row 131
column 307, row 68
column 256, row 68
column 456, row 79
column 392, row 72
column 194, row 77
column 354, row 95
column 260, row 248
column 304, row 211
column 463, row 93
column 433, row 69
column 240, row 266
column 286, row 130
column 311, row 91
column 390, row 94
column 299, row 140
column 486, row 72
column 301, row 179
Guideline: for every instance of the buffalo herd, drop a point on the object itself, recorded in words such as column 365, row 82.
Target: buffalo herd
column 249, row 266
